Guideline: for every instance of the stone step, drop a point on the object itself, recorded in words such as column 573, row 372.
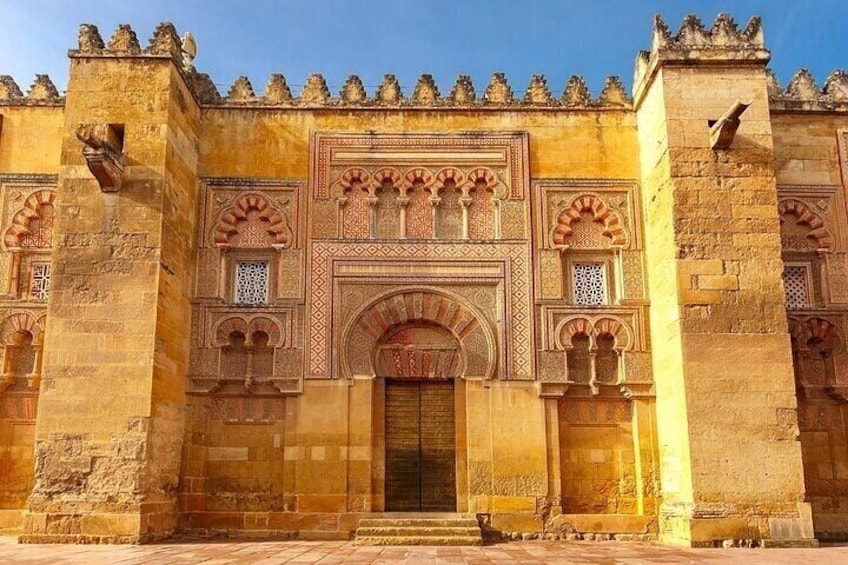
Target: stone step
column 418, row 540
column 417, row 531
column 418, row 522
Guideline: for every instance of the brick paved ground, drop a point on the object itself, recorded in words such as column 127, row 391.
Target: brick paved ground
column 267, row 553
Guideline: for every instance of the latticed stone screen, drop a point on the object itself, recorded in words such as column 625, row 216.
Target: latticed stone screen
column 252, row 282
column 39, row 288
column 590, row 287
column 797, row 287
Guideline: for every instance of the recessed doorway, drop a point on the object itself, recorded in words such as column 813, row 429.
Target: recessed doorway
column 420, row 446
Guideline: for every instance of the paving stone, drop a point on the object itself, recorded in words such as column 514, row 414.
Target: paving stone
column 329, row 552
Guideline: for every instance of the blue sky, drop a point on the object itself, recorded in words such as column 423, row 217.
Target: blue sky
column 408, row 37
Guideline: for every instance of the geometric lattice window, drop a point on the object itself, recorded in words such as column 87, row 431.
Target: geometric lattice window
column 39, row 286
column 797, row 286
column 252, row 282
column 590, row 283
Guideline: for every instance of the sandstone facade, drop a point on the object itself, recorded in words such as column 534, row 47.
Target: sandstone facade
column 279, row 314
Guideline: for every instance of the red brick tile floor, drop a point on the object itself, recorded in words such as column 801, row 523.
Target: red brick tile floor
column 327, row 552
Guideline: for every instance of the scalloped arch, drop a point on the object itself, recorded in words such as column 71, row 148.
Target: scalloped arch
column 227, row 225
column 24, row 217
column 482, row 174
column 448, row 174
column 610, row 220
column 808, row 218
column 417, row 174
column 487, row 176
column 387, row 174
column 352, row 175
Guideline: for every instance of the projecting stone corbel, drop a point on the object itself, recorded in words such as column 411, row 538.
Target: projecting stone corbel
column 638, row 389
column 723, row 130
column 103, row 148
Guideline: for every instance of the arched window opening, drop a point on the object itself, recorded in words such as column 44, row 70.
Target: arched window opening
column 579, row 360
column 21, row 360
column 819, row 366
column 25, row 355
column 449, row 212
column 606, row 360
column 234, row 358
column 263, row 357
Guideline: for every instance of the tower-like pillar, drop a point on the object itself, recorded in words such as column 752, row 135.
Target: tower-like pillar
column 111, row 409
column 726, row 409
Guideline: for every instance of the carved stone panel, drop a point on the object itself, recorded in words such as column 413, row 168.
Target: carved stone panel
column 550, row 269
column 492, row 281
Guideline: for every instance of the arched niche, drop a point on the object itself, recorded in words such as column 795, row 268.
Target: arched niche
column 591, row 223
column 251, row 222
column 801, row 229
column 434, row 318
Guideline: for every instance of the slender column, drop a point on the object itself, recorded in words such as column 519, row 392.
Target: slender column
column 466, row 202
column 402, row 201
column 496, row 229
column 434, row 207
column 372, row 216
column 15, row 274
column 222, row 271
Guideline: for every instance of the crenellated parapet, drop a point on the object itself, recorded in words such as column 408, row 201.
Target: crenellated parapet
column 723, row 43
column 802, row 93
column 498, row 94
column 42, row 92
column 165, row 42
